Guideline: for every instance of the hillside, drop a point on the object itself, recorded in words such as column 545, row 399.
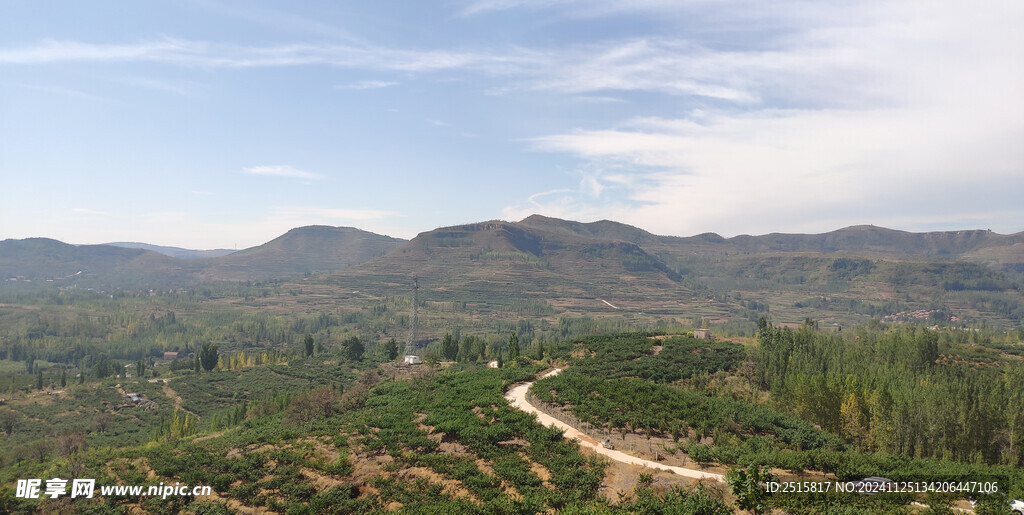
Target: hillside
column 43, row 260
column 174, row 252
column 862, row 240
column 495, row 263
column 299, row 251
column 303, row 250
column 611, row 269
column 544, row 266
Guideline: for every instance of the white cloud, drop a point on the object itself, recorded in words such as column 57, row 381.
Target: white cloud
column 219, row 55
column 901, row 117
column 367, row 84
column 282, row 171
column 599, row 100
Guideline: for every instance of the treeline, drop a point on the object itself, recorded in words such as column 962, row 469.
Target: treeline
column 642, row 406
column 898, row 391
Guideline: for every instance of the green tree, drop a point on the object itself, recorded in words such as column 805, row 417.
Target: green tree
column 208, row 356
column 308, row 341
column 9, row 420
column 748, row 486
column 354, row 348
column 466, row 349
column 390, row 349
column 449, row 347
column 39, row 380
column 513, row 347
column 63, row 378
column 103, row 368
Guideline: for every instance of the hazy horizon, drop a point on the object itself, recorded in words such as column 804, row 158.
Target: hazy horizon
column 201, row 249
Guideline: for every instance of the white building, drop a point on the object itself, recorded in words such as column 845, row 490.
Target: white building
column 413, row 360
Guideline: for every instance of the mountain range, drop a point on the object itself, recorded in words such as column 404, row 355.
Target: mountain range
column 542, row 255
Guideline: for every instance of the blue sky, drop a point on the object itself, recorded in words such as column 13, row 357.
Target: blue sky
column 223, row 124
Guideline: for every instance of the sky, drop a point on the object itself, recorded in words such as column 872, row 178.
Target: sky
column 223, row 124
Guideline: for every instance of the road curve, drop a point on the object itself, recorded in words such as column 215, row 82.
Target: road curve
column 516, row 396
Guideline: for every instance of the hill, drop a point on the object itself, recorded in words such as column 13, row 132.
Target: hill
column 543, row 266
column 503, row 259
column 174, row 252
column 44, row 260
column 299, row 251
column 303, row 250
column 863, row 240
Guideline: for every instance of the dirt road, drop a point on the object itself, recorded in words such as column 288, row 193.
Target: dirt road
column 517, row 397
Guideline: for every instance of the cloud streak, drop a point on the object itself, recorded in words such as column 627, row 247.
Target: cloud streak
column 282, row 171
column 900, row 120
column 367, row 84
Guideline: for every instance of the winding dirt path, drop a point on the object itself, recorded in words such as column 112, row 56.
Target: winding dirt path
column 516, row 396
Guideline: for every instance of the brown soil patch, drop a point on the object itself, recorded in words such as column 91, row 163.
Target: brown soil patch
column 326, row 450
column 540, row 470
column 173, row 395
column 582, row 353
column 517, row 441
column 322, row 482
column 452, row 487
column 211, row 435
column 454, row 448
column 621, row 479
column 365, row 467
column 656, row 349
column 236, row 506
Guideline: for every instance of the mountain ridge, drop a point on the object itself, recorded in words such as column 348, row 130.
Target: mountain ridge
column 544, row 244
column 299, row 251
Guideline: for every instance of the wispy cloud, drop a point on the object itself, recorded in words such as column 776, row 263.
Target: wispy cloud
column 367, row 84
column 889, row 119
column 282, row 171
column 599, row 100
column 219, row 55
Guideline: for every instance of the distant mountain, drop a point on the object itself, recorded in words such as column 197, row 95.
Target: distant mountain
column 494, row 263
column 541, row 265
column 175, row 252
column 980, row 246
column 316, row 248
column 299, row 251
column 101, row 266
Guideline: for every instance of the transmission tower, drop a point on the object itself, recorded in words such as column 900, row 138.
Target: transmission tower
column 412, row 316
